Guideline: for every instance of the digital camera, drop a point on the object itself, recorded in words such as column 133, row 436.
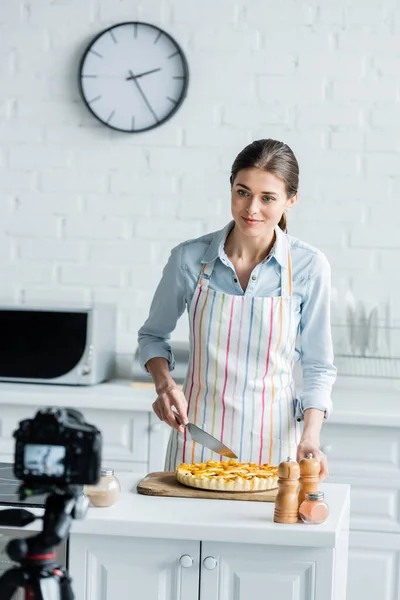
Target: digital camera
column 57, row 447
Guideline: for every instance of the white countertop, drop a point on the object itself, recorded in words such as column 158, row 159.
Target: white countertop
column 211, row 520
column 372, row 402
column 118, row 394
column 135, row 515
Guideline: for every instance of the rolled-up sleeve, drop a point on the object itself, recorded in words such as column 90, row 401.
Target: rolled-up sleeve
column 167, row 306
column 319, row 372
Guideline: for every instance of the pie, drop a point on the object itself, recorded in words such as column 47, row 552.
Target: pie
column 228, row 476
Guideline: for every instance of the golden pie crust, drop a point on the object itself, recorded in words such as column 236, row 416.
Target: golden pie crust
column 228, row 476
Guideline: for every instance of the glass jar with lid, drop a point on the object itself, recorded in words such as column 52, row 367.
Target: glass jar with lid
column 106, row 491
column 314, row 510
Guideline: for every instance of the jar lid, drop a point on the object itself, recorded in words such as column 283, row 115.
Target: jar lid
column 106, row 472
column 315, row 496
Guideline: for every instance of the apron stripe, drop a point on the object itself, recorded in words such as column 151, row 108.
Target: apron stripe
column 216, row 363
column 273, row 387
column 193, row 365
column 265, row 374
column 290, row 274
column 246, row 376
column 226, row 370
column 288, row 369
column 207, row 368
column 294, row 408
column 199, row 368
column 236, row 370
column 286, row 352
column 255, row 383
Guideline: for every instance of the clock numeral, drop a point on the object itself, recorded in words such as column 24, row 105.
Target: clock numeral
column 96, row 53
column 90, row 76
column 135, row 30
column 111, row 116
column 94, row 99
column 158, row 37
column 178, row 77
column 173, row 54
column 114, row 39
column 172, row 100
column 133, row 124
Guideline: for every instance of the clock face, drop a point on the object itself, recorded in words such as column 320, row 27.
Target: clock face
column 133, row 77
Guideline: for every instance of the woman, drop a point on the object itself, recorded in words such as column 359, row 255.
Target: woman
column 250, row 289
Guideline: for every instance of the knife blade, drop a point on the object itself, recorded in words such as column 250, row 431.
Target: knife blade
column 205, row 439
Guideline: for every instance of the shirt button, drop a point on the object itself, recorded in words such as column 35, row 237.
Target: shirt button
column 254, row 277
column 235, row 280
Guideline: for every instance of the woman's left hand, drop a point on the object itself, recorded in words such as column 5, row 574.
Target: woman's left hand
column 307, row 446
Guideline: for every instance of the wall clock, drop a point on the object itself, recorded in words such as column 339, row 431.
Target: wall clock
column 133, row 76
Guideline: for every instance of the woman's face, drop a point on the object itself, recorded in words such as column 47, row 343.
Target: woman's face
column 258, row 201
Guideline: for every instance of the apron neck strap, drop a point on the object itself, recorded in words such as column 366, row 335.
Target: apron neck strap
column 286, row 278
column 205, row 275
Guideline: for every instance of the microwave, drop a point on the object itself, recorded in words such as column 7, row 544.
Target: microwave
column 66, row 346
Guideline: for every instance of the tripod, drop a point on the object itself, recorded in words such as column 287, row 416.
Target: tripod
column 38, row 572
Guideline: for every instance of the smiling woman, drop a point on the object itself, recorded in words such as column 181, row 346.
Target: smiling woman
column 277, row 160
column 249, row 290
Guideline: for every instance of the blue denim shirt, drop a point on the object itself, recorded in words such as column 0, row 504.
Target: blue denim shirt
column 311, row 291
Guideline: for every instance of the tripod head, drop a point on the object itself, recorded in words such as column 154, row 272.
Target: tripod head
column 38, row 572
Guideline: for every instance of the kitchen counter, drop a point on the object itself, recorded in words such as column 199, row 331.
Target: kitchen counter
column 371, row 402
column 186, row 549
column 120, row 394
column 136, row 515
column 213, row 520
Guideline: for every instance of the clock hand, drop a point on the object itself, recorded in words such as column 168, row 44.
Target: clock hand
column 132, row 76
column 142, row 74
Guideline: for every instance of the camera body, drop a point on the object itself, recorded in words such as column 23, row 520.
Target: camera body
column 57, row 447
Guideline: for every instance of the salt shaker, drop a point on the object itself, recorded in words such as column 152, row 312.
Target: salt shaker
column 286, row 503
column 106, row 491
column 309, row 476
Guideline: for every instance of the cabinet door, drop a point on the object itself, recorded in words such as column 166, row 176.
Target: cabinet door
column 350, row 452
column 159, row 436
column 125, row 435
column 244, row 571
column 374, row 563
column 125, row 438
column 111, row 568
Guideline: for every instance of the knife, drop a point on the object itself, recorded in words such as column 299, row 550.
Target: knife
column 205, row 439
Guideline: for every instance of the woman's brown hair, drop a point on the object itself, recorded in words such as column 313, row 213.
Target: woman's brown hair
column 276, row 158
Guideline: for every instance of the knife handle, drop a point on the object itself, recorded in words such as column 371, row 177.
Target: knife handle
column 178, row 418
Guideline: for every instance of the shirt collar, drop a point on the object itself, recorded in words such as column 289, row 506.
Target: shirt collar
column 216, row 248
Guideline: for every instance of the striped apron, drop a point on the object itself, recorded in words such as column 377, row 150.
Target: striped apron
column 239, row 385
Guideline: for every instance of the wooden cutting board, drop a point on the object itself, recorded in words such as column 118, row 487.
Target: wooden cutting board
column 165, row 484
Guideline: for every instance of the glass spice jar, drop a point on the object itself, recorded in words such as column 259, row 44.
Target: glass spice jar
column 106, row 491
column 314, row 510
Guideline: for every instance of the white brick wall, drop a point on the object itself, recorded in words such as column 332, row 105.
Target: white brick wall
column 91, row 214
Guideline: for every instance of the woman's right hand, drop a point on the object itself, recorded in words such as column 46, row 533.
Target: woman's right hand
column 166, row 399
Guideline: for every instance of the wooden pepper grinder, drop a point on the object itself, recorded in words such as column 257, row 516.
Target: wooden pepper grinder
column 286, row 503
column 309, row 476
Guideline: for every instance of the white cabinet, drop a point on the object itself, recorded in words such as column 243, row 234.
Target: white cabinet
column 156, row 569
column 113, row 568
column 374, row 564
column 133, row 441
column 368, row 458
column 244, row 572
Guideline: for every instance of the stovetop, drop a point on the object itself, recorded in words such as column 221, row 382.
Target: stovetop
column 9, row 490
